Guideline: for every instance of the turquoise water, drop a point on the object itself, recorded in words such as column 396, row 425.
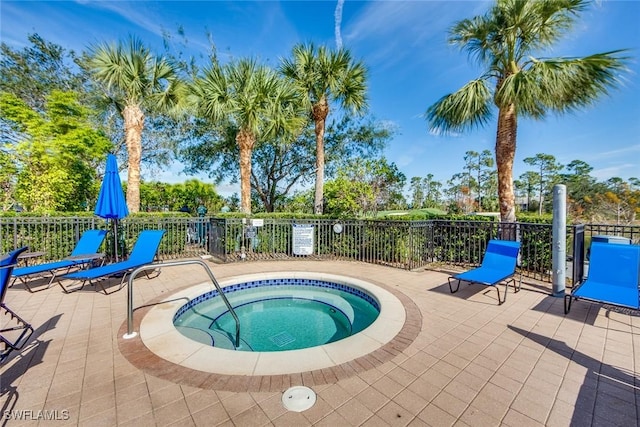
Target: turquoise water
column 278, row 318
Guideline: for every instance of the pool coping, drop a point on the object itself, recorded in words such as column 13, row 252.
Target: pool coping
column 156, row 352
column 159, row 335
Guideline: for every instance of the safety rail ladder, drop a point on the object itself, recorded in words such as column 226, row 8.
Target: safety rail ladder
column 130, row 333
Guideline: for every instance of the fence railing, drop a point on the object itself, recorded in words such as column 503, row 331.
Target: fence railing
column 56, row 237
column 631, row 232
column 400, row 244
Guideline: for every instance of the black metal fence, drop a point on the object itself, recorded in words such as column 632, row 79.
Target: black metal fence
column 400, row 244
column 631, row 232
column 56, row 237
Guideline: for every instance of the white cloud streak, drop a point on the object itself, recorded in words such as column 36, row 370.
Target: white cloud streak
column 622, row 170
column 338, row 23
column 136, row 12
column 401, row 29
column 631, row 148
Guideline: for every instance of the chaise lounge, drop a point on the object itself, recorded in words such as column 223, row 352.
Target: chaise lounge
column 84, row 253
column 498, row 265
column 614, row 271
column 143, row 253
column 15, row 332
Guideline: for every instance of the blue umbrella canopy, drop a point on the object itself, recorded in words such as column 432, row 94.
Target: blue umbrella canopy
column 111, row 203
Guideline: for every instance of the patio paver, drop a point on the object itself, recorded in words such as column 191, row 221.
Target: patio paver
column 464, row 361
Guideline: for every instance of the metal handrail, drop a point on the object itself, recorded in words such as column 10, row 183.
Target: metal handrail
column 130, row 333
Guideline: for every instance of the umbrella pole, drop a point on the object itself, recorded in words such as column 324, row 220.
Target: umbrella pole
column 115, row 237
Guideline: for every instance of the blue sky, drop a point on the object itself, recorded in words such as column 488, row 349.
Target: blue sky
column 403, row 44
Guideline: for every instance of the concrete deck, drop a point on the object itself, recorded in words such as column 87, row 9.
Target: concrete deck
column 459, row 360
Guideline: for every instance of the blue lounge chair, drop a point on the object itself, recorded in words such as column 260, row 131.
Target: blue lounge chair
column 498, row 265
column 614, row 272
column 15, row 332
column 144, row 252
column 83, row 253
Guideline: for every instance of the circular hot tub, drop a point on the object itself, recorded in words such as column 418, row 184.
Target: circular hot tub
column 277, row 314
column 163, row 333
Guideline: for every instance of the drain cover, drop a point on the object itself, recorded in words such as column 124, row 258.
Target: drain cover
column 298, row 398
column 282, row 339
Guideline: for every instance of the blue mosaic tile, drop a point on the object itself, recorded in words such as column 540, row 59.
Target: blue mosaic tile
column 277, row 282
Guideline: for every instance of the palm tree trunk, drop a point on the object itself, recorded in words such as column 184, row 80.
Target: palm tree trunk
column 245, row 142
column 505, row 154
column 133, row 126
column 320, row 113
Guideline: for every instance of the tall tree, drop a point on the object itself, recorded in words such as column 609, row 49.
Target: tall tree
column 255, row 103
column 139, row 83
column 8, row 172
column 324, row 76
column 459, row 193
column 433, row 193
column 363, row 187
column 480, row 164
column 417, row 192
column 279, row 167
column 484, row 168
column 526, row 184
column 621, row 199
column 547, row 170
column 56, row 159
column 175, row 197
column 580, row 187
column 505, row 42
column 39, row 68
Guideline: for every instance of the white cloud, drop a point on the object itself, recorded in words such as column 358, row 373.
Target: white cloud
column 338, row 23
column 620, row 151
column 136, row 12
column 402, row 30
column 622, row 170
column 439, row 133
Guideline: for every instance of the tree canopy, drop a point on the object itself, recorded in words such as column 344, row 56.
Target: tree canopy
column 517, row 82
column 57, row 155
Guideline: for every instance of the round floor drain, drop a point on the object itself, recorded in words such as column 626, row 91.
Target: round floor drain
column 298, row 398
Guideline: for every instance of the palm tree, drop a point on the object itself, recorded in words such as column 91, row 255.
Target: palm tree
column 505, row 41
column 137, row 82
column 324, row 76
column 255, row 102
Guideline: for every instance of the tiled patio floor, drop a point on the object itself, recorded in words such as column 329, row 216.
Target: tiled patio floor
column 471, row 363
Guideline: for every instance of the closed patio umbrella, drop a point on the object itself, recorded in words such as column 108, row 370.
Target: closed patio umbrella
column 111, row 204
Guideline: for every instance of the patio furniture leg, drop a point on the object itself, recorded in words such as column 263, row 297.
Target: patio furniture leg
column 567, row 307
column 506, row 288
column 451, row 288
column 26, row 284
column 23, row 338
column 104, row 290
column 66, row 289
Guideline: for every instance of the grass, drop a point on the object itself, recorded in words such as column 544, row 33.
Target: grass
column 431, row 211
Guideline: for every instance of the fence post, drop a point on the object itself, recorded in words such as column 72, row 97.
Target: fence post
column 430, row 237
column 578, row 254
column 559, row 247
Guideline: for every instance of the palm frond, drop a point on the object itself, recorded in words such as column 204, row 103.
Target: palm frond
column 523, row 90
column 567, row 84
column 132, row 75
column 475, row 37
column 467, row 108
column 251, row 96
